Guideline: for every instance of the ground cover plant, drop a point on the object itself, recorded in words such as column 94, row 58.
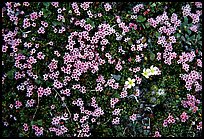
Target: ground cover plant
column 102, row 69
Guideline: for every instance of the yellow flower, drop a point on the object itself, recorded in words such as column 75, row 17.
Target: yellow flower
column 130, row 83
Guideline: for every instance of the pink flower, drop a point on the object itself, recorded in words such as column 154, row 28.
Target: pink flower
column 116, row 121
column 184, row 117
column 157, row 134
column 107, row 7
column 18, row 104
column 133, row 117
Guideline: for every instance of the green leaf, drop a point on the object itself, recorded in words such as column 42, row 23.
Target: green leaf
column 141, row 18
column 116, row 95
column 189, row 32
column 157, row 34
column 63, row 20
column 147, row 24
column 182, row 37
column 10, row 74
column 55, row 23
column 38, row 81
column 185, row 21
column 21, row 135
column 152, row 56
column 88, row 21
column 39, row 122
column 200, row 43
column 130, row 42
column 188, row 42
column 178, row 35
column 46, row 4
column 153, row 5
column 198, row 37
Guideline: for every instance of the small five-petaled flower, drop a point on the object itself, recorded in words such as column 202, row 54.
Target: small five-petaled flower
column 130, row 83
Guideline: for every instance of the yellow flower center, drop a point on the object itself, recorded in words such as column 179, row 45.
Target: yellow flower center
column 130, row 82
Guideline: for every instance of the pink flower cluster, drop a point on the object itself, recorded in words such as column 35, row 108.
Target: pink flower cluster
column 133, row 117
column 191, row 79
column 18, row 104
column 75, row 7
column 137, row 8
column 191, row 103
column 113, row 101
column 157, row 134
column 38, row 131
column 25, row 127
column 184, row 117
column 107, row 7
column 170, row 120
column 116, row 121
column 59, row 131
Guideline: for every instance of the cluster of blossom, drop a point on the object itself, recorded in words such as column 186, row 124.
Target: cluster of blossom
column 184, row 117
column 41, row 91
column 170, row 119
column 99, row 87
column 10, row 39
column 18, row 104
column 38, row 131
column 13, row 11
column 85, row 5
column 55, row 4
column 116, row 121
column 163, row 19
column 84, row 132
column 137, row 8
column 186, row 10
column 111, row 82
column 107, row 7
column 3, row 78
column 186, row 57
column 191, row 103
column 169, row 56
column 30, row 103
column 191, row 79
column 65, row 92
column 113, row 101
column 157, row 134
column 133, row 117
column 199, row 62
column 123, row 27
column 75, row 7
column 116, row 111
column 199, row 126
column 198, row 4
column 98, row 111
column 138, row 79
column 132, row 25
column 25, row 127
column 123, row 94
column 101, row 79
column 60, row 130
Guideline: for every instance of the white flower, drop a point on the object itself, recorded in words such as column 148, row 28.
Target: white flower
column 160, row 92
column 146, row 73
column 153, row 70
column 130, row 83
